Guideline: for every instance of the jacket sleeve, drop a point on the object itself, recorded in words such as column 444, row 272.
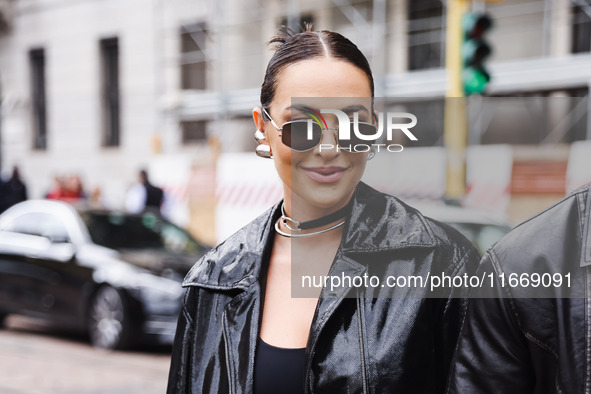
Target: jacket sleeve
column 492, row 352
column 180, row 366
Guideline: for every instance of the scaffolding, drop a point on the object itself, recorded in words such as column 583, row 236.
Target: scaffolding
column 404, row 42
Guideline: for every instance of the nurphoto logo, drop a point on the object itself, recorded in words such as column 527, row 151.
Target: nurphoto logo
column 359, row 136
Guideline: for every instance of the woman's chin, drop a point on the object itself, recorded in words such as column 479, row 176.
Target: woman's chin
column 324, row 195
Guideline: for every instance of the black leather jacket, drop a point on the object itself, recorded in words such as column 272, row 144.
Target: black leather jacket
column 355, row 345
column 513, row 344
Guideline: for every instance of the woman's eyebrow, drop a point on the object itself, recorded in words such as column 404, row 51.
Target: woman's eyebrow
column 348, row 109
column 354, row 108
column 301, row 108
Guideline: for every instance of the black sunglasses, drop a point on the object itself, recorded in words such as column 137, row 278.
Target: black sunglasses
column 304, row 134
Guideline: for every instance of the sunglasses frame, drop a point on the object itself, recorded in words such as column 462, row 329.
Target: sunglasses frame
column 280, row 129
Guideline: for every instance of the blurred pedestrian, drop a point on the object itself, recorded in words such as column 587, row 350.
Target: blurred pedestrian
column 55, row 192
column 75, row 189
column 12, row 191
column 68, row 189
column 144, row 196
column 154, row 194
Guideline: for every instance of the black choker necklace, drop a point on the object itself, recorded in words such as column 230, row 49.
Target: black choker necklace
column 295, row 225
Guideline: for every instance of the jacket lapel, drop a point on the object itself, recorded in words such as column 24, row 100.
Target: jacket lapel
column 234, row 268
column 240, row 322
column 329, row 301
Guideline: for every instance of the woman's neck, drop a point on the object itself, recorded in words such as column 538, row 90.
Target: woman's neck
column 301, row 210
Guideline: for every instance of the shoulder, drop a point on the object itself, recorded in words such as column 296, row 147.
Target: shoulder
column 454, row 247
column 384, row 220
column 219, row 267
column 548, row 234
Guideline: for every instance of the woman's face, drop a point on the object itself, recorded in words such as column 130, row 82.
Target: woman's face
column 320, row 178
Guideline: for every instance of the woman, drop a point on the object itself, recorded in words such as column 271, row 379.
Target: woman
column 240, row 330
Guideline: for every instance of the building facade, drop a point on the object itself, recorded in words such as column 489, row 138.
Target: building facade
column 102, row 88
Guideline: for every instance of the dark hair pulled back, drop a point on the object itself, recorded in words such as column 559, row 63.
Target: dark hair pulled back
column 292, row 47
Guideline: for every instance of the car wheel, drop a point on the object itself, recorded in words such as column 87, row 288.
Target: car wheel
column 108, row 321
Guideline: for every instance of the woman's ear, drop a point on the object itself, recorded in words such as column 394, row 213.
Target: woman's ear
column 257, row 116
column 263, row 148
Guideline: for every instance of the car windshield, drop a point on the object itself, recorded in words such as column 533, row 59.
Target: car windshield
column 118, row 230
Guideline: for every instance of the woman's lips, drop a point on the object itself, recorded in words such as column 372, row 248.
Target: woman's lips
column 325, row 174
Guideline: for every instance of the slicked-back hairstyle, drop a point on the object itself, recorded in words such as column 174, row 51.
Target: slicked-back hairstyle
column 291, row 47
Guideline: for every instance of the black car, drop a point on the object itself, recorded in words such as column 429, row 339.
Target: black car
column 114, row 275
column 482, row 228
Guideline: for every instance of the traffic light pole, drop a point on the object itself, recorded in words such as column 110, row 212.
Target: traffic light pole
column 455, row 116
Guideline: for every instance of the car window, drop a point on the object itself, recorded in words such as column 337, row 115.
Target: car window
column 483, row 236
column 117, row 230
column 488, row 235
column 41, row 224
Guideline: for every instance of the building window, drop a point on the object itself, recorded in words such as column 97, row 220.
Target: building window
column 194, row 131
column 110, row 91
column 37, row 62
column 299, row 23
column 194, row 56
column 426, row 35
column 581, row 29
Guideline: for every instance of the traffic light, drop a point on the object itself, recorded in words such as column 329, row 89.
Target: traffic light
column 475, row 50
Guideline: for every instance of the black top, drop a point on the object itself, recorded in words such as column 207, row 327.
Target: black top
column 278, row 370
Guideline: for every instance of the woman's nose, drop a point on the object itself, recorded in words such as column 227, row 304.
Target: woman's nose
column 328, row 146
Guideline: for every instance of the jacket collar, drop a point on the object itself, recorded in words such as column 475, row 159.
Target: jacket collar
column 377, row 223
column 380, row 223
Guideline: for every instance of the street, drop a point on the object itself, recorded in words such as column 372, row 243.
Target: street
column 34, row 359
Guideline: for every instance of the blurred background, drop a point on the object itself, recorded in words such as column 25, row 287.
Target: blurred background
column 92, row 92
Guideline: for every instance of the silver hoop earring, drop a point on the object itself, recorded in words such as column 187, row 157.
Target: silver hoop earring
column 264, row 151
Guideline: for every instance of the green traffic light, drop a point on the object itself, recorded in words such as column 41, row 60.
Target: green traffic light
column 475, row 80
column 475, row 50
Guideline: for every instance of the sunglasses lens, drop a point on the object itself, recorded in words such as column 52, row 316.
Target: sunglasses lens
column 301, row 135
column 366, row 129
